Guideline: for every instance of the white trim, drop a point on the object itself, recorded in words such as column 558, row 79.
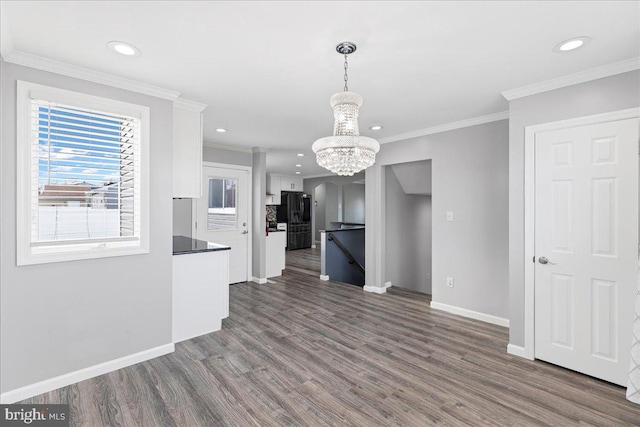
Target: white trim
column 495, row 320
column 573, row 79
column 187, row 104
column 313, row 246
column 324, row 277
column 388, row 285
column 502, row 115
column 529, row 209
column 64, row 380
column 260, row 281
column 374, row 289
column 227, row 147
column 53, row 66
column 516, row 350
column 26, row 253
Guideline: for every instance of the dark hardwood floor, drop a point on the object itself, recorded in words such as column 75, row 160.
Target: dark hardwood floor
column 304, row 261
column 305, row 352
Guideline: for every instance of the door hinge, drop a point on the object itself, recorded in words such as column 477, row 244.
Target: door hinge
column 534, row 259
column 196, row 226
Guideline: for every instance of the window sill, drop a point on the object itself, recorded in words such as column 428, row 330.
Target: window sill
column 46, row 255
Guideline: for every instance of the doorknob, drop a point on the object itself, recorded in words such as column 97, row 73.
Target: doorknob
column 545, row 260
column 245, row 232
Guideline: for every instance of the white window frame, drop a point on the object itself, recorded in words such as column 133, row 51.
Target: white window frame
column 27, row 253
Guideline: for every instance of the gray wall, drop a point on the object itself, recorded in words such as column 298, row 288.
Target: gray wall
column 229, row 157
column 332, row 205
column 353, row 203
column 182, row 217
column 470, row 178
column 309, row 185
column 61, row 317
column 408, row 229
column 319, row 209
column 259, row 217
column 599, row 96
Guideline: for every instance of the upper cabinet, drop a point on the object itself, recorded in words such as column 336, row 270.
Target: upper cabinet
column 187, row 148
column 273, row 190
column 290, row 184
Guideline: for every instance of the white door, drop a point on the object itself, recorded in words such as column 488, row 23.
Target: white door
column 586, row 247
column 222, row 215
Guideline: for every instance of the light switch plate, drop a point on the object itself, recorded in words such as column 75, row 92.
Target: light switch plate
column 450, row 216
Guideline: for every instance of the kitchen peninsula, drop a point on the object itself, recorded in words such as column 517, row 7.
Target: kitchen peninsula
column 200, row 287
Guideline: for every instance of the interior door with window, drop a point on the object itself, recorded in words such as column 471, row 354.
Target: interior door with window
column 222, row 215
column 586, row 246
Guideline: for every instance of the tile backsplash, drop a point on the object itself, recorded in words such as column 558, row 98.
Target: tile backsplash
column 271, row 213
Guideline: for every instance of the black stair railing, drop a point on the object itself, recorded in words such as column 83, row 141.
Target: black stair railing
column 332, row 238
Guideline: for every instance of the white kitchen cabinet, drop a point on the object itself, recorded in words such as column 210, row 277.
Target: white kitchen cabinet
column 276, row 242
column 200, row 293
column 290, row 184
column 187, row 148
column 273, row 189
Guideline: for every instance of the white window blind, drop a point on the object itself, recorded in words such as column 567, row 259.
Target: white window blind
column 85, row 175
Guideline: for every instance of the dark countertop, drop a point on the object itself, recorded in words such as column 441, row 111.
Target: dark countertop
column 360, row 227
column 274, row 230
column 186, row 245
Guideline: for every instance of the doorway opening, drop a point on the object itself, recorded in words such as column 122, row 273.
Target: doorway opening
column 408, row 225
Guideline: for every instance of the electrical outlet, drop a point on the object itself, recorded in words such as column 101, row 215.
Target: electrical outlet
column 450, row 216
column 450, row 282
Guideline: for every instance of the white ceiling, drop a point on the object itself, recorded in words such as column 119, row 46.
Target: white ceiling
column 267, row 69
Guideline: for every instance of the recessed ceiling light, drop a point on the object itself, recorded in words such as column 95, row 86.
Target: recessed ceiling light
column 297, row 173
column 300, row 155
column 221, row 130
column 376, row 127
column 571, row 44
column 298, row 166
column 124, row 48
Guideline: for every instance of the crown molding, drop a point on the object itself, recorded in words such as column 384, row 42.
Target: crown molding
column 186, row 104
column 573, row 79
column 53, row 66
column 228, row 147
column 447, row 127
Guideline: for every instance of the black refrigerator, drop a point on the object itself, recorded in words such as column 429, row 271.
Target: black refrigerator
column 295, row 210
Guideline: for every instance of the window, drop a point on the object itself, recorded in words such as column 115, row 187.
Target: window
column 222, row 213
column 82, row 176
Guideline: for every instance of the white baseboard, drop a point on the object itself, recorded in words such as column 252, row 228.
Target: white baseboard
column 516, row 350
column 260, row 281
column 375, row 289
column 83, row 374
column 313, row 246
column 471, row 314
column 323, row 277
column 388, row 285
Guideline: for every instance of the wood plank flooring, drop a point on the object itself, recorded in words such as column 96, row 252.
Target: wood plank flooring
column 304, row 261
column 302, row 352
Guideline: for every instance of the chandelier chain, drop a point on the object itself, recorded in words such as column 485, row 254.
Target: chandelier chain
column 346, row 76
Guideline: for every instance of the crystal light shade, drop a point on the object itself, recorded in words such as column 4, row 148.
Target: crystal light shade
column 346, row 152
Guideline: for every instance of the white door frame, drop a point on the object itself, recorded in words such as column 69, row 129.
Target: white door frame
column 529, row 209
column 194, row 214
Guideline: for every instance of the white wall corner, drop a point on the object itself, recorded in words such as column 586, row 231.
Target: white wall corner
column 374, row 289
column 573, row 79
column 388, row 285
column 324, row 277
column 260, row 281
column 83, row 374
column 495, row 320
column 517, row 350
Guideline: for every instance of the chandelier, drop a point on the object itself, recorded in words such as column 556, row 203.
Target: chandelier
column 346, row 152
